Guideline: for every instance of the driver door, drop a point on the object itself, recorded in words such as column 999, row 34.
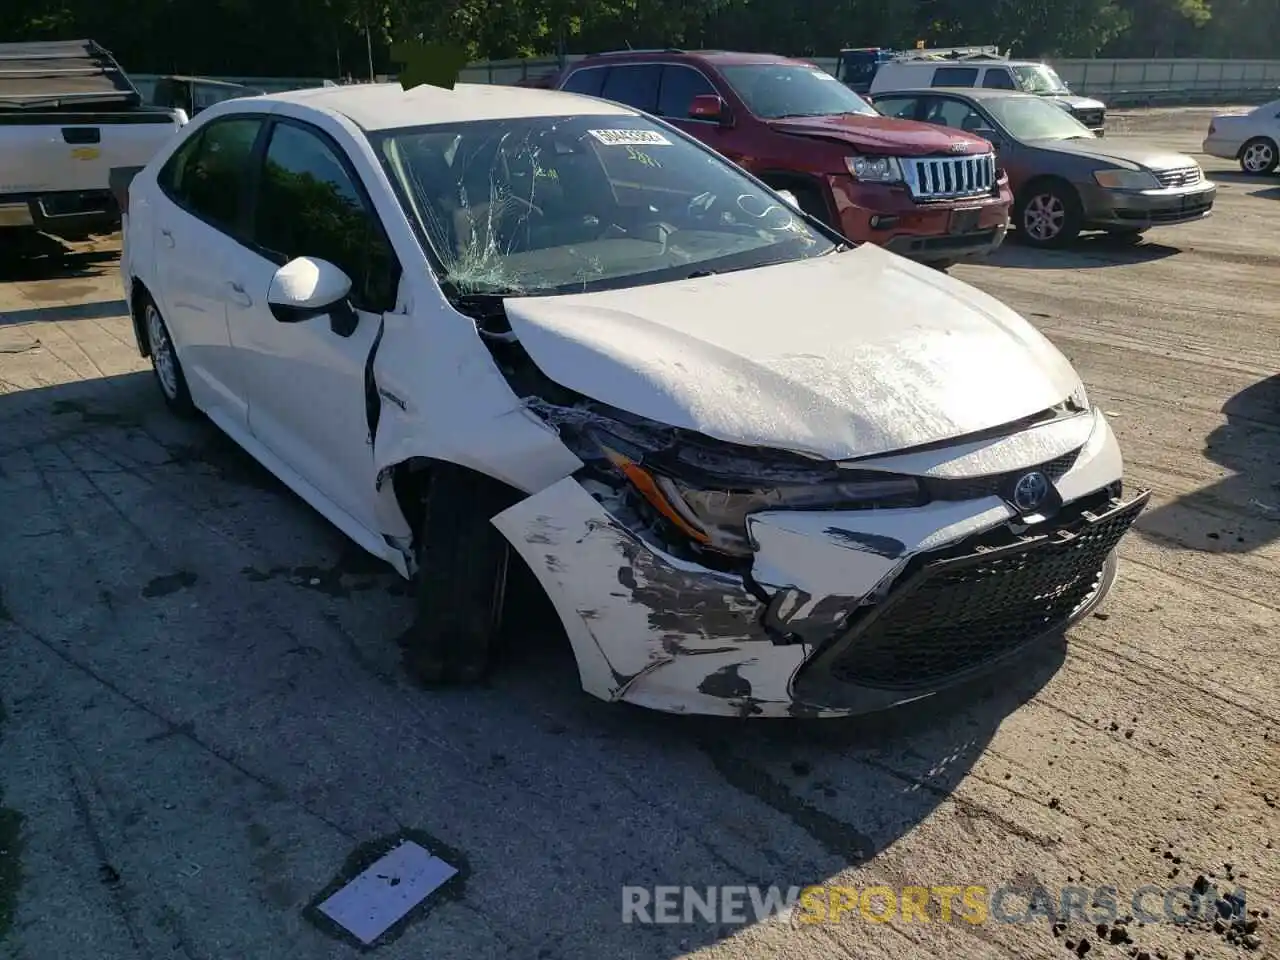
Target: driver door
column 306, row 384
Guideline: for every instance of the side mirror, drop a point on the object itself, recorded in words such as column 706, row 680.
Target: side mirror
column 307, row 287
column 709, row 106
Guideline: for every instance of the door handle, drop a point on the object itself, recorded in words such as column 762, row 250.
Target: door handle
column 168, row 238
column 238, row 295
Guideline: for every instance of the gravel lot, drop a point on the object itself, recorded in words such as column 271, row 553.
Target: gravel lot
column 204, row 723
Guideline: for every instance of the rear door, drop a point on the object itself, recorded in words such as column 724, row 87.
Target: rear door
column 199, row 230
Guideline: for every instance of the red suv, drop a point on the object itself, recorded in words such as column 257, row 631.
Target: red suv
column 928, row 193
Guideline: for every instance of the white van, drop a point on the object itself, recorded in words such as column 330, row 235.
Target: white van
column 998, row 74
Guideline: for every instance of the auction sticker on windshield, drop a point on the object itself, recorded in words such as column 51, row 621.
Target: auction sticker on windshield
column 630, row 138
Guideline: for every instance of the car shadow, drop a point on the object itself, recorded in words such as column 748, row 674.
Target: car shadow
column 1241, row 512
column 37, row 256
column 725, row 802
column 1089, row 250
column 1239, row 176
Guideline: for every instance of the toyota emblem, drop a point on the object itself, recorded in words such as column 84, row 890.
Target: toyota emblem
column 1030, row 491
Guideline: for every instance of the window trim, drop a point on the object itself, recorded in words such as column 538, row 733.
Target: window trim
column 344, row 161
column 236, row 231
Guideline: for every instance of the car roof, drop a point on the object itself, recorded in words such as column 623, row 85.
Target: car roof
column 723, row 57
column 973, row 93
column 382, row 106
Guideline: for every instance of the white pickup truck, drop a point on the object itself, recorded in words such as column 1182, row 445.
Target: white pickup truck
column 68, row 115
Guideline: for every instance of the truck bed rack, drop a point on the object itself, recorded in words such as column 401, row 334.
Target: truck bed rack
column 52, row 75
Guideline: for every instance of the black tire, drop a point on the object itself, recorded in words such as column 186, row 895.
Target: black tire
column 1048, row 214
column 463, row 564
column 942, row 266
column 1260, row 155
column 165, row 363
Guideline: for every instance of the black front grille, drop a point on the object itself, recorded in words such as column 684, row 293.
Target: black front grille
column 996, row 484
column 951, row 613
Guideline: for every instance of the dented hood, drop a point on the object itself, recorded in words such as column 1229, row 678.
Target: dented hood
column 851, row 354
column 884, row 135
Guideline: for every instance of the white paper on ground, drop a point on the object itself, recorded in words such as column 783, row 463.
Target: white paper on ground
column 375, row 899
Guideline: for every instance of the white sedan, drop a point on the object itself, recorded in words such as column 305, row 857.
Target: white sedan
column 1251, row 138
column 758, row 472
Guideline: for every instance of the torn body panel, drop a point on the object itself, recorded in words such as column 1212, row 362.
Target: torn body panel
column 442, row 397
column 660, row 630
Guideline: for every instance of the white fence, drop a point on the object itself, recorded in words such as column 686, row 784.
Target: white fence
column 1118, row 82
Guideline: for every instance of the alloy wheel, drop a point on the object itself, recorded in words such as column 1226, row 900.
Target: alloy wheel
column 162, row 355
column 1258, row 157
column 1043, row 217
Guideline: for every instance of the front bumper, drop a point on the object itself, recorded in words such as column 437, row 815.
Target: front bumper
column 887, row 216
column 801, row 638
column 1140, row 209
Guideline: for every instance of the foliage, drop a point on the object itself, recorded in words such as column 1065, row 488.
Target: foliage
column 349, row 37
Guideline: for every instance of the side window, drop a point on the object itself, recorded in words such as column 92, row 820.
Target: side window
column 955, row 77
column 635, row 85
column 998, row 78
column 172, row 175
column 900, row 108
column 587, row 81
column 946, row 112
column 308, row 206
column 208, row 175
column 679, row 86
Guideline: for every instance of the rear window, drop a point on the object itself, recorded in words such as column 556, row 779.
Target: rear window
column 587, row 81
column 998, row 78
column 955, row 76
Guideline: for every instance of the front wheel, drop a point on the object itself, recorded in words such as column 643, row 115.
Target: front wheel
column 1259, row 155
column 1048, row 215
column 463, row 562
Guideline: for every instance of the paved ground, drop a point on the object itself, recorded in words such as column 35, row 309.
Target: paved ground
column 203, row 720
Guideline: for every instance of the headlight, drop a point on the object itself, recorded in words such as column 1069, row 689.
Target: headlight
column 717, row 519
column 1079, row 398
column 875, row 169
column 1126, row 179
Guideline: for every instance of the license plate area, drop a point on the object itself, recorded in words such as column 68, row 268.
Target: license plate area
column 965, row 221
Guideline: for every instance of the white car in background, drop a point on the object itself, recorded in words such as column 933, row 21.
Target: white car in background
column 756, row 471
column 1251, row 138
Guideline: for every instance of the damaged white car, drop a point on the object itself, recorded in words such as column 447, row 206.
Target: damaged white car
column 756, row 471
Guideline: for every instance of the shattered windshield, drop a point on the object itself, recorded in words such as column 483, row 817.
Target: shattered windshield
column 1039, row 79
column 564, row 204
